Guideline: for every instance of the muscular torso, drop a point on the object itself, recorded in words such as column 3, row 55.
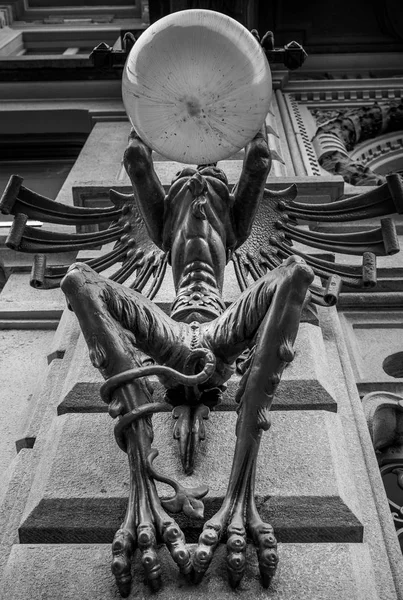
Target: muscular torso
column 198, row 232
column 198, row 244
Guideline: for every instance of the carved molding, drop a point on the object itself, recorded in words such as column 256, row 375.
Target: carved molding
column 329, row 93
column 355, row 125
column 380, row 151
column 306, row 150
column 336, row 138
column 325, row 137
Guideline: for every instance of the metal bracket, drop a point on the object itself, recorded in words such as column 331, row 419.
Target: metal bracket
column 292, row 55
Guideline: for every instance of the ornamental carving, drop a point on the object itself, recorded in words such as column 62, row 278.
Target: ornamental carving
column 337, row 137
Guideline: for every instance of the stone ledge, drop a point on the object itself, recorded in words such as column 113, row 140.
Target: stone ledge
column 305, row 572
column 81, row 485
column 306, row 382
column 86, row 520
column 326, row 186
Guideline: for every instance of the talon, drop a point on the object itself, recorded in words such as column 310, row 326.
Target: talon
column 175, row 541
column 236, row 559
column 209, row 537
column 122, row 551
column 149, row 559
column 152, row 568
column 267, row 554
column 268, row 561
column 203, row 555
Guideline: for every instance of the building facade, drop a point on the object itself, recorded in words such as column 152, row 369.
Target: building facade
column 338, row 122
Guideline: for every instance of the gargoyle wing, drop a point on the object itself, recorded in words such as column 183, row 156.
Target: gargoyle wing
column 282, row 220
column 133, row 250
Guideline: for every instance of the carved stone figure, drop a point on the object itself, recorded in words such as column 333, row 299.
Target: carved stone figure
column 198, row 226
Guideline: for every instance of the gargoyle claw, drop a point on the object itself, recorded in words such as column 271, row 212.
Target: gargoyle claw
column 236, row 557
column 208, row 542
column 175, row 542
column 149, row 559
column 266, row 549
column 263, row 537
column 122, row 551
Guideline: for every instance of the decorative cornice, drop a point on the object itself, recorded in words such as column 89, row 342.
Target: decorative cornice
column 339, row 128
column 354, row 91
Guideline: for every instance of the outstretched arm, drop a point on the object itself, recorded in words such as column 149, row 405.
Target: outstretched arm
column 249, row 189
column 147, row 187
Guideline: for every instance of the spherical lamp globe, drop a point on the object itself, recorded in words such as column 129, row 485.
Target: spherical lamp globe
column 197, row 86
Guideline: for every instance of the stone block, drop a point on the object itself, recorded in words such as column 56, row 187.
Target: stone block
column 305, row 572
column 304, row 485
column 44, row 400
column 306, row 382
column 23, row 307
column 371, row 337
column 21, row 362
column 16, row 483
column 66, row 336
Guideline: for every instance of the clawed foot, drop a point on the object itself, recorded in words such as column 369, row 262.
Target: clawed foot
column 124, row 545
column 147, row 522
column 150, row 527
column 261, row 533
column 194, row 568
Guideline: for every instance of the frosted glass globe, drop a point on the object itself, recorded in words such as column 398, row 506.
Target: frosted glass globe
column 197, row 86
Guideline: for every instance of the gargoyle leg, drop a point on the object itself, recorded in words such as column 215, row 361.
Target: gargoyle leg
column 123, row 321
column 112, row 348
column 285, row 292
column 124, row 541
column 263, row 536
column 146, row 532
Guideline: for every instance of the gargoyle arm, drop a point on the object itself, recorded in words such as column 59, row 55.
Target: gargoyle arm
column 249, row 190
column 148, row 189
